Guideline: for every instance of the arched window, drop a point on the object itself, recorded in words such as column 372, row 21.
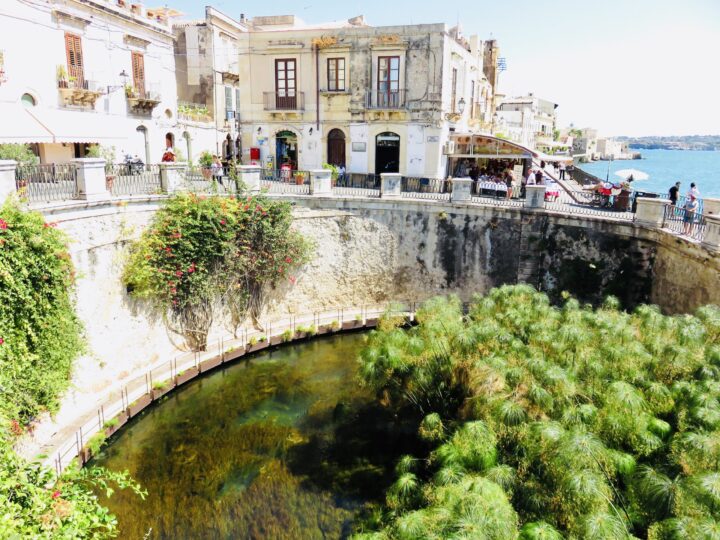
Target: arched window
column 28, row 100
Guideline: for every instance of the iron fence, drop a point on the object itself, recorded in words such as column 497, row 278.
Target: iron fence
column 132, row 179
column 46, row 183
column 357, row 185
column 592, row 203
column 207, row 180
column 685, row 222
column 286, row 181
column 426, row 188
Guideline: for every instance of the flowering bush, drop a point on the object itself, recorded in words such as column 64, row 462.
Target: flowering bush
column 204, row 252
column 40, row 335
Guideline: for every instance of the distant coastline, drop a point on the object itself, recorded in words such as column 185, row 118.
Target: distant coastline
column 691, row 142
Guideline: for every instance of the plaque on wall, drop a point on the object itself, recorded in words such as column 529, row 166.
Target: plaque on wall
column 359, row 147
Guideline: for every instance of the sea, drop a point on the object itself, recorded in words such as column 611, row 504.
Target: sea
column 666, row 167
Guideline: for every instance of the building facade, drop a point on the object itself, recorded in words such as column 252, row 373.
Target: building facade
column 528, row 120
column 369, row 99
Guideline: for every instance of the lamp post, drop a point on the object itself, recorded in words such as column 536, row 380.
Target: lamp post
column 124, row 76
column 461, row 106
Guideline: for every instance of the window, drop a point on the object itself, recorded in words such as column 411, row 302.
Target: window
column 237, row 102
column 453, row 92
column 286, row 91
column 73, row 51
column 27, row 100
column 388, row 82
column 228, row 100
column 336, row 74
column 473, row 105
column 138, row 73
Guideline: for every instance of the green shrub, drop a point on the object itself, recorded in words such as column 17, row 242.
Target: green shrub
column 287, row 335
column 21, row 153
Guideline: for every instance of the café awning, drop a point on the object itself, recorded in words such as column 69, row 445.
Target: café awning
column 18, row 126
column 78, row 127
column 468, row 145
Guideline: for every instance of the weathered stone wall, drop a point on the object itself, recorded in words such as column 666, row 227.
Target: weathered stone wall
column 375, row 251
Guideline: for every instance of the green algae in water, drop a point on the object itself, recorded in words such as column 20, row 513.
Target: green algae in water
column 286, row 446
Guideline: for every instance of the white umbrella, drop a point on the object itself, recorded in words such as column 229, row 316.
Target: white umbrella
column 636, row 175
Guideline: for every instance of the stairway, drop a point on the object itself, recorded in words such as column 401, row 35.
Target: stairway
column 531, row 235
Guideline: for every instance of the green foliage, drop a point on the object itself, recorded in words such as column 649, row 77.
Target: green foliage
column 334, row 170
column 580, row 423
column 203, row 252
column 40, row 335
column 205, row 160
column 18, row 152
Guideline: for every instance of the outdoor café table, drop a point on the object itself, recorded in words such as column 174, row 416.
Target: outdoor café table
column 492, row 188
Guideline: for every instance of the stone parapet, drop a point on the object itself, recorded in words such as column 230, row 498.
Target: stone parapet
column 650, row 212
column 7, row 178
column 172, row 176
column 249, row 176
column 390, row 185
column 711, row 240
column 461, row 189
column 535, row 197
column 321, row 182
column 711, row 207
column 91, row 185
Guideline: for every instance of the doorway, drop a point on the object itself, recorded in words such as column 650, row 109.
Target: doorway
column 286, row 149
column 387, row 153
column 336, row 148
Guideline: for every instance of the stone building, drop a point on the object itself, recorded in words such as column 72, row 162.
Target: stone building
column 372, row 99
column 528, row 120
column 97, row 72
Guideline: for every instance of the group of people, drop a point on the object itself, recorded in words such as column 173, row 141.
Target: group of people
column 496, row 174
column 691, row 205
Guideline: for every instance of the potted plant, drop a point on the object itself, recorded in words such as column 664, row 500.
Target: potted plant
column 299, row 178
column 205, row 162
column 62, row 76
column 129, row 91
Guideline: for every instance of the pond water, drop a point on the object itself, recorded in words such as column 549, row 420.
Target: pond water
column 286, row 445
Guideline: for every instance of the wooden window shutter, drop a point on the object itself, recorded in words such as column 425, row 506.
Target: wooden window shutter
column 138, row 70
column 73, row 50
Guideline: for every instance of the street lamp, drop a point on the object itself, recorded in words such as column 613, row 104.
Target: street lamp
column 124, row 76
column 461, row 106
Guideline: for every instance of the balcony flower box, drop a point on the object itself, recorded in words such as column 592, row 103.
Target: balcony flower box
column 115, row 424
column 160, row 390
column 276, row 340
column 234, row 353
column 253, row 347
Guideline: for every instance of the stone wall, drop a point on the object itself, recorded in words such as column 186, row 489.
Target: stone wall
column 372, row 251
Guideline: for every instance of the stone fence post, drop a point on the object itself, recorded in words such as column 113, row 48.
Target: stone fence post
column 461, row 189
column 651, row 212
column 7, row 178
column 321, row 182
column 249, row 175
column 390, row 185
column 711, row 240
column 535, row 197
column 91, row 184
column 711, row 207
column 172, row 176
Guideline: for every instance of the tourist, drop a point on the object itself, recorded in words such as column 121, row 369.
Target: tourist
column 562, row 170
column 530, row 178
column 217, row 170
column 539, row 177
column 673, row 193
column 691, row 207
column 694, row 191
column 168, row 156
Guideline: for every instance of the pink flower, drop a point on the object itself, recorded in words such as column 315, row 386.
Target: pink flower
column 288, row 260
column 55, row 494
column 179, row 273
column 3, row 224
column 2, row 341
column 222, row 222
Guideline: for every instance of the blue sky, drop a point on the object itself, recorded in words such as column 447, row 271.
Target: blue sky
column 627, row 67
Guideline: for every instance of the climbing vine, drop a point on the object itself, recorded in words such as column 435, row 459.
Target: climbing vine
column 203, row 257
column 40, row 336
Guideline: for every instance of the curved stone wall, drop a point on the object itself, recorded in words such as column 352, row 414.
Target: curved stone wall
column 371, row 251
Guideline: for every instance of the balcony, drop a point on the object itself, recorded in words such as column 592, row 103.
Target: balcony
column 281, row 101
column 142, row 100
column 79, row 92
column 385, row 99
column 194, row 112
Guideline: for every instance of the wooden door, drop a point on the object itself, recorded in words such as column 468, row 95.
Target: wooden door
column 336, row 148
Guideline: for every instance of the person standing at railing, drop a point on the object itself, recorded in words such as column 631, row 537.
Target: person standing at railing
column 674, row 193
column 216, row 170
column 562, row 170
column 691, row 207
column 694, row 191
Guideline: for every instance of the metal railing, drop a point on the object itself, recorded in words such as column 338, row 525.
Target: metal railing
column 132, row 179
column 80, row 84
column 284, row 101
column 425, row 188
column 46, row 183
column 357, row 185
column 592, row 203
column 685, row 222
column 286, row 181
column 130, row 398
column 202, row 180
column 385, row 99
